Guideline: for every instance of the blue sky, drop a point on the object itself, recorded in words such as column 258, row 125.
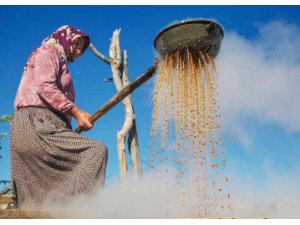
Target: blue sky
column 258, row 69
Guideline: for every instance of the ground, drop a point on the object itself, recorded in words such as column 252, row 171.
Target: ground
column 23, row 214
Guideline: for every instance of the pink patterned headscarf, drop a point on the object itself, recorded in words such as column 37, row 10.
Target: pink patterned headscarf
column 65, row 36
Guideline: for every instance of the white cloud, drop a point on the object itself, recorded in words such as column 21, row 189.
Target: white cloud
column 259, row 81
column 260, row 78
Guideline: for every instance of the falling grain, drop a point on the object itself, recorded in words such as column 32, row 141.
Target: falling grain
column 186, row 132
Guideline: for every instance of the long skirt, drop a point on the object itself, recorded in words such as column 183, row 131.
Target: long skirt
column 50, row 162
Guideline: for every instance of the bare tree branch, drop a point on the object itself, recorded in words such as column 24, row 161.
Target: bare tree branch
column 99, row 55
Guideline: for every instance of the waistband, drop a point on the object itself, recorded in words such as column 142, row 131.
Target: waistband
column 60, row 115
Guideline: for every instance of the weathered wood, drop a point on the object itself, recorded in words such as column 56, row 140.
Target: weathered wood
column 6, row 199
column 128, row 89
column 133, row 146
column 98, row 54
column 115, row 55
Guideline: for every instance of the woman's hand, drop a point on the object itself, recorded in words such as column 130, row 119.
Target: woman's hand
column 82, row 118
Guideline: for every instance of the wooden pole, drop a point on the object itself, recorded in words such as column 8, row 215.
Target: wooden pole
column 115, row 55
column 128, row 89
column 133, row 146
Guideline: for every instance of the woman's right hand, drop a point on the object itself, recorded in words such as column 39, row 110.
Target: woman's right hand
column 82, row 118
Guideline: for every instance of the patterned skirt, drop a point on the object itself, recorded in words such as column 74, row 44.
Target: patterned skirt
column 50, row 162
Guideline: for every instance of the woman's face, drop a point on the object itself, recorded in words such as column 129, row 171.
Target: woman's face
column 77, row 46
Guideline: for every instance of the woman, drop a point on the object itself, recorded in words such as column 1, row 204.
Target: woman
column 49, row 162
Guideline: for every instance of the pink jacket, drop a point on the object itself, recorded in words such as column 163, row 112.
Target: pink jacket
column 46, row 81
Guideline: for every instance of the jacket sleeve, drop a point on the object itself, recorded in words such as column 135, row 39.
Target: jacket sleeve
column 47, row 68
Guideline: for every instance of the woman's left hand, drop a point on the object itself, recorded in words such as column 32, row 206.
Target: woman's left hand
column 82, row 118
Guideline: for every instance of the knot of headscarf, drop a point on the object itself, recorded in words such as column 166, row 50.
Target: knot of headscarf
column 65, row 36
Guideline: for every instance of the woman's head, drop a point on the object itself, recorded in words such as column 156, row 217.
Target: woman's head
column 73, row 41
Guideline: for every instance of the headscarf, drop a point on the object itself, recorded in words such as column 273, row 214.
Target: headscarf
column 65, row 36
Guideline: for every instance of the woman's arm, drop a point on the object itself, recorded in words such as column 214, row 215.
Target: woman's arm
column 47, row 68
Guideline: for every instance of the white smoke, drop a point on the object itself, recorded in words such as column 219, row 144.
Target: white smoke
column 152, row 198
column 260, row 79
column 149, row 197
